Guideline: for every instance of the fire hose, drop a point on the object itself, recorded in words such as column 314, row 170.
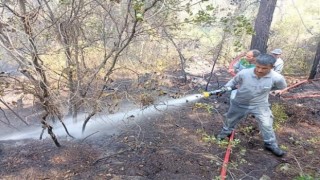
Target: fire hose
column 226, row 157
column 298, row 96
column 228, row 151
column 223, row 173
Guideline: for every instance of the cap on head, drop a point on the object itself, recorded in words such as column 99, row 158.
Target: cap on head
column 277, row 51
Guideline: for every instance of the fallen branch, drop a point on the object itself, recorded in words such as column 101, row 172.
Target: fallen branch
column 8, row 122
column 106, row 157
column 89, row 136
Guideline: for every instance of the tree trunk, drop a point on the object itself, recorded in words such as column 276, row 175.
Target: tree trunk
column 40, row 82
column 262, row 25
column 315, row 66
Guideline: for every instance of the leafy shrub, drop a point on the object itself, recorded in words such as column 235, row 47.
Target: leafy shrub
column 304, row 177
column 280, row 116
column 205, row 106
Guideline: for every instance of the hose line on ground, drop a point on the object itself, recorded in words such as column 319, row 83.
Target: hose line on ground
column 226, row 158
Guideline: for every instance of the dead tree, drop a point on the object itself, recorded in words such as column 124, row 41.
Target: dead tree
column 28, row 56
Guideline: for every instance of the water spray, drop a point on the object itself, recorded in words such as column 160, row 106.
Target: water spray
column 104, row 124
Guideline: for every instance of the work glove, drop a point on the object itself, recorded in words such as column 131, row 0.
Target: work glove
column 223, row 90
column 276, row 93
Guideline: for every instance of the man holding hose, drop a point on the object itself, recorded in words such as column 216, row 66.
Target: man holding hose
column 252, row 97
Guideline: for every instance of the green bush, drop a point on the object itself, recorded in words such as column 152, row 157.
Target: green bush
column 304, row 177
column 280, row 116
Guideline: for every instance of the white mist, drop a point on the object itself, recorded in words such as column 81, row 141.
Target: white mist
column 103, row 124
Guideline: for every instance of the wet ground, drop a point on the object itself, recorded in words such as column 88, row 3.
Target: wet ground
column 177, row 142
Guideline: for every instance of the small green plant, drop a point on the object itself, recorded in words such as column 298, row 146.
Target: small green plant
column 235, row 142
column 223, row 143
column 284, row 147
column 280, row 116
column 243, row 161
column 304, row 177
column 200, row 131
column 205, row 106
column 208, row 139
column 234, row 165
column 314, row 140
column 217, row 178
column 205, row 137
column 247, row 130
column 243, row 151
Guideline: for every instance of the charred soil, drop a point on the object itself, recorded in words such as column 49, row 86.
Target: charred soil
column 179, row 143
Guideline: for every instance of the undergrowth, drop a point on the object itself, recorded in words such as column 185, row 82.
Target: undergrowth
column 304, row 177
column 280, row 116
column 205, row 106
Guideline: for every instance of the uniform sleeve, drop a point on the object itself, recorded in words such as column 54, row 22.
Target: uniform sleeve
column 234, row 81
column 279, row 83
column 278, row 66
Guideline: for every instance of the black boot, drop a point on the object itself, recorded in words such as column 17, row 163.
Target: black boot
column 222, row 135
column 274, row 149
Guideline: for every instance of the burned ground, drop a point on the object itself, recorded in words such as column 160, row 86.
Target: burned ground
column 178, row 143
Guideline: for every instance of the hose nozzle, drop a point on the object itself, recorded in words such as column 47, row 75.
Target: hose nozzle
column 210, row 93
column 206, row 94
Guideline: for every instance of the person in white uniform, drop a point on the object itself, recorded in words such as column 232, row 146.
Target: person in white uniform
column 278, row 66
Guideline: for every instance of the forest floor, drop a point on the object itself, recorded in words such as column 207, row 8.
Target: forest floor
column 179, row 143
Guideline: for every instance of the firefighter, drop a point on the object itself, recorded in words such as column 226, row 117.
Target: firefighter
column 254, row 84
column 278, row 65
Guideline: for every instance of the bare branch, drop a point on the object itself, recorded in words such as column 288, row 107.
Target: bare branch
column 19, row 117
